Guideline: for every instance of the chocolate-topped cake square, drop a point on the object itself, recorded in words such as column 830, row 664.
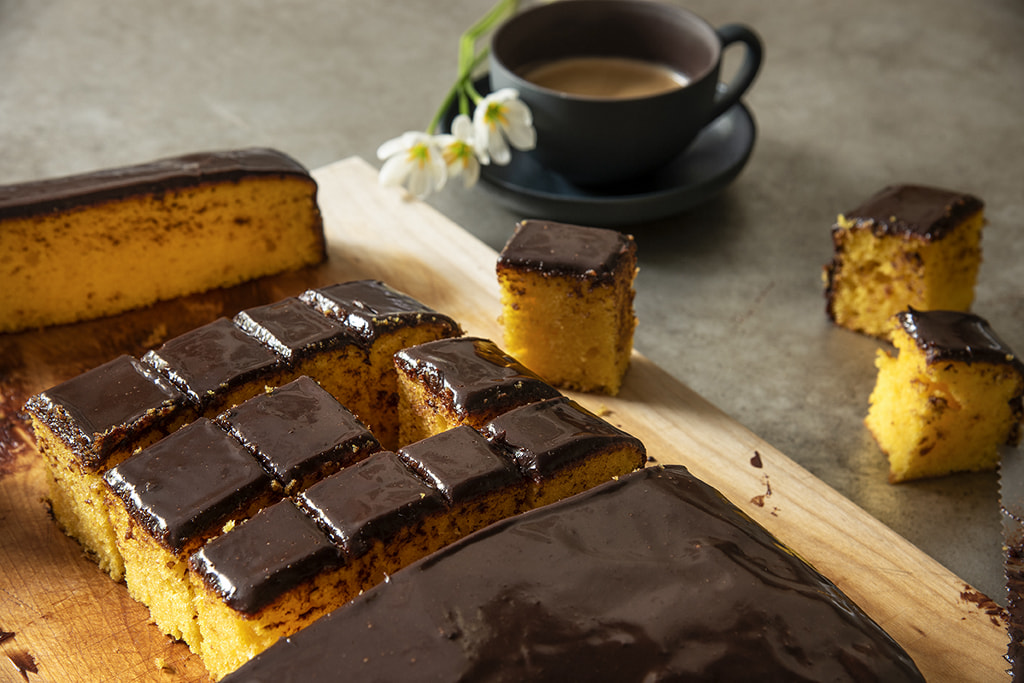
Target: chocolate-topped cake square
column 215, row 365
column 183, row 487
column 96, row 413
column 464, row 380
column 563, row 447
column 374, row 501
column 264, row 557
column 299, row 432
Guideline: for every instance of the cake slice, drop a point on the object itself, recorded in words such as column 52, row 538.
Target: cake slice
column 567, row 303
column 563, row 448
column 906, row 246
column 464, row 380
column 117, row 239
column 948, row 398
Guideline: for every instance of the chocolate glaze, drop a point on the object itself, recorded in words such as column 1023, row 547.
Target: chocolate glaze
column 206, row 360
column 546, row 436
column 928, row 212
column 299, row 431
column 371, row 500
column 957, row 336
column 370, row 308
column 653, row 577
column 461, row 464
column 563, row 249
column 40, row 197
column 188, row 483
column 474, row 374
column 102, row 409
column 259, row 560
column 293, row 329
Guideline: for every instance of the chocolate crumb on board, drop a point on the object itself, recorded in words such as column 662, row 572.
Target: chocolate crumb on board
column 23, row 663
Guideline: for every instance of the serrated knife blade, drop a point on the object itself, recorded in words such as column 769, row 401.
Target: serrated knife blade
column 1011, row 493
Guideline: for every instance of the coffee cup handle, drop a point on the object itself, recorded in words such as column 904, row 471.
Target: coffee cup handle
column 730, row 93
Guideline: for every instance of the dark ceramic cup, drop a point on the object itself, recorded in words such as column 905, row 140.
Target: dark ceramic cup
column 606, row 140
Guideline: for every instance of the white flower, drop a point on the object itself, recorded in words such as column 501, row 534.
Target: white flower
column 502, row 119
column 459, row 151
column 414, row 160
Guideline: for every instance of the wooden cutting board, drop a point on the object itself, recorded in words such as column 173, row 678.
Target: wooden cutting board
column 61, row 619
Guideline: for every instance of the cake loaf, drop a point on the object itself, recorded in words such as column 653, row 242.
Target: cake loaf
column 100, row 243
column 652, row 577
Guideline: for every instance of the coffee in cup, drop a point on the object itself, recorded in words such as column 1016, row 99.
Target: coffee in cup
column 618, row 88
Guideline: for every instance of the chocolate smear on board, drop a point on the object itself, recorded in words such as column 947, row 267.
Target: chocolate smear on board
column 756, row 460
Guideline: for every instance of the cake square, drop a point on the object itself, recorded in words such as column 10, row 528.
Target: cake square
column 166, row 501
column 216, row 365
column 464, row 380
column 314, row 345
column 263, row 580
column 906, row 246
column 384, row 320
column 299, row 432
column 93, row 421
column 949, row 397
column 476, row 477
column 564, row 448
column 380, row 513
column 567, row 303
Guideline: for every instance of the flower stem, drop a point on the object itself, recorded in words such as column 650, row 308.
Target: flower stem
column 469, row 60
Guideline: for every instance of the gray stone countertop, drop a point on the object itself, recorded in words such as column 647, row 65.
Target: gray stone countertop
column 852, row 97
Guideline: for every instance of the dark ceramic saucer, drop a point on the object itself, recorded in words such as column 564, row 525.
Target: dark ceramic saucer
column 707, row 167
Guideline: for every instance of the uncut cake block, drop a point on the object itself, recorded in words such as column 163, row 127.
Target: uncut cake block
column 567, row 303
column 655, row 576
column 464, row 380
column 906, row 246
column 949, row 397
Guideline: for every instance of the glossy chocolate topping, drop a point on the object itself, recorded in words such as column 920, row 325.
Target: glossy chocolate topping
column 957, row 336
column 461, row 464
column 55, row 194
column 188, row 483
column 262, row 558
column 371, row 500
column 653, row 577
column 98, row 410
column 370, row 308
column 912, row 209
column 474, row 374
column 299, row 430
column 566, row 249
column 546, row 436
column 292, row 328
column 205, row 360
